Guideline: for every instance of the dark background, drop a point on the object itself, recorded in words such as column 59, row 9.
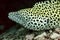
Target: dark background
column 7, row 6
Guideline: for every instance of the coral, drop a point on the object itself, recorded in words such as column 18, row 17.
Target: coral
column 42, row 16
column 14, row 34
column 23, row 34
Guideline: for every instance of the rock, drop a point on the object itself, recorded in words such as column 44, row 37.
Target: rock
column 54, row 35
column 40, row 37
column 29, row 37
column 57, row 30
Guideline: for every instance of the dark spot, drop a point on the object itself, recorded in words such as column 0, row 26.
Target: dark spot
column 33, row 26
column 58, row 19
column 48, row 13
column 39, row 8
column 37, row 28
column 35, row 15
column 35, row 23
column 41, row 25
column 54, row 23
column 42, row 9
column 32, row 17
column 47, row 20
column 53, row 1
column 29, row 17
column 54, row 15
column 52, row 11
column 31, row 22
column 46, row 16
column 50, row 6
column 41, row 21
column 49, row 10
column 26, row 19
column 50, row 18
column 58, row 23
column 57, row 15
column 54, row 19
column 31, row 14
column 59, row 12
column 56, row 6
column 28, row 24
column 46, row 2
column 39, row 5
column 56, row 12
column 36, row 8
column 51, row 24
column 34, row 20
column 37, row 20
column 44, row 13
column 44, row 24
column 38, row 24
column 45, row 8
column 50, row 21
column 26, row 10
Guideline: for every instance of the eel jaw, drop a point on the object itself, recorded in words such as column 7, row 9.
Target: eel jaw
column 15, row 16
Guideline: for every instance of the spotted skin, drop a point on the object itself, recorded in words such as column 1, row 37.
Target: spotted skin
column 42, row 16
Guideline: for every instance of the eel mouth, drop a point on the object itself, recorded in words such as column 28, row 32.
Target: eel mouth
column 14, row 16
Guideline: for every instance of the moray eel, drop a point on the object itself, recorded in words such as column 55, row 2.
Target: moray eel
column 42, row 16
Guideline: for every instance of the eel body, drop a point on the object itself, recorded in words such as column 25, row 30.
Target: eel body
column 42, row 16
